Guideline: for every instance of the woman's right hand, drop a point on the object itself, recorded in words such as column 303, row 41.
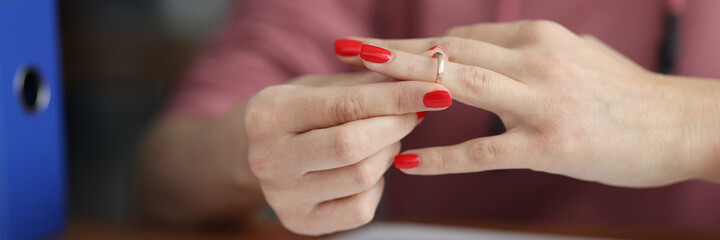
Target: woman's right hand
column 321, row 144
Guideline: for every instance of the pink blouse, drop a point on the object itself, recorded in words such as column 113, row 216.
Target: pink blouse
column 268, row 42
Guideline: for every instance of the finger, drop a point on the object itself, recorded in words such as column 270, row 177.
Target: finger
column 472, row 85
column 347, row 144
column 411, row 45
column 349, row 180
column 502, row 34
column 505, row 151
column 341, row 79
column 314, row 108
column 348, row 50
column 422, row 46
column 346, row 213
column 493, row 57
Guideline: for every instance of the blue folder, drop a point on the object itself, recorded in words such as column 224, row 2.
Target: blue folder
column 32, row 152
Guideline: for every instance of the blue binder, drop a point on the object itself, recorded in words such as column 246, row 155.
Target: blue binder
column 32, row 179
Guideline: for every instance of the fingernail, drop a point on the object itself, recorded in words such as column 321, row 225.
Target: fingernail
column 375, row 54
column 437, row 99
column 421, row 115
column 347, row 47
column 406, row 161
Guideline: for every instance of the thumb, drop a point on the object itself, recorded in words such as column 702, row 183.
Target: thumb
column 505, row 151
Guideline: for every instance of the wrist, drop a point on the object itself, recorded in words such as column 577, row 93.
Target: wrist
column 713, row 155
column 700, row 112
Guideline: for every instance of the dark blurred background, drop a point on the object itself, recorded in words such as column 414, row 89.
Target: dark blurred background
column 121, row 60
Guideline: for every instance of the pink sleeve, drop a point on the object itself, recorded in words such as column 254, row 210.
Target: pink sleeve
column 268, row 42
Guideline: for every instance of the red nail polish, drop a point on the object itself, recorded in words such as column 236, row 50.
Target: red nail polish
column 375, row 54
column 421, row 115
column 437, row 99
column 347, row 47
column 406, row 161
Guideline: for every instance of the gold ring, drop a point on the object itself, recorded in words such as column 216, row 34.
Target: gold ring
column 440, row 67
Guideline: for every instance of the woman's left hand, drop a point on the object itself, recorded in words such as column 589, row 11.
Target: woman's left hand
column 571, row 106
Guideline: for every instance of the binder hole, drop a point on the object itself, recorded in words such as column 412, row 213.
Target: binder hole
column 33, row 92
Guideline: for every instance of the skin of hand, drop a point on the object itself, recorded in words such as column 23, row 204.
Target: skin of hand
column 321, row 144
column 571, row 105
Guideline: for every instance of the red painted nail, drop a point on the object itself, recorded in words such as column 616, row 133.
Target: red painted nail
column 421, row 115
column 406, row 161
column 375, row 54
column 347, row 47
column 437, row 99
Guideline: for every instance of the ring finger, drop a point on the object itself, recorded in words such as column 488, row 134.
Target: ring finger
column 472, row 85
column 493, row 57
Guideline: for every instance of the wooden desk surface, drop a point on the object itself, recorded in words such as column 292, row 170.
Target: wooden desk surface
column 273, row 230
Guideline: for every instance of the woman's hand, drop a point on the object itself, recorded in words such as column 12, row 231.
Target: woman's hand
column 321, row 144
column 571, row 106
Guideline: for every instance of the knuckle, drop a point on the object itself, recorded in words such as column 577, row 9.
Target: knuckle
column 259, row 164
column 348, row 145
column 405, row 100
column 262, row 108
column 540, row 31
column 256, row 120
column 541, row 26
column 483, row 152
column 443, row 163
column 363, row 176
column 547, row 25
column 400, row 102
column 475, row 79
column 348, row 107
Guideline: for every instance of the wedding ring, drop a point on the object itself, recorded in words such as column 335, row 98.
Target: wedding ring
column 440, row 67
